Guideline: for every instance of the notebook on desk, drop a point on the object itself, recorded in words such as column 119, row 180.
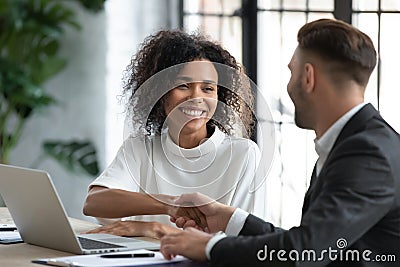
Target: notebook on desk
column 99, row 261
column 41, row 218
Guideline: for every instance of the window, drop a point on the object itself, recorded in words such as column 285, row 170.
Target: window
column 376, row 18
column 218, row 20
column 262, row 35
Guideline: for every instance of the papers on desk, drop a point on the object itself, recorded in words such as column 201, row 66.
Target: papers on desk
column 96, row 260
column 7, row 227
column 10, row 237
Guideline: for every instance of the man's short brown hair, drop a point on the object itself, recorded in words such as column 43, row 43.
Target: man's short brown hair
column 349, row 53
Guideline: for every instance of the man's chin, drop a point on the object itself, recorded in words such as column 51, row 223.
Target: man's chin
column 302, row 125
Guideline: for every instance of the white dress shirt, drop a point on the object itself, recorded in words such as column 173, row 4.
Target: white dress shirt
column 323, row 146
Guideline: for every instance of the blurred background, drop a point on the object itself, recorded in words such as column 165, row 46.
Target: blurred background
column 62, row 63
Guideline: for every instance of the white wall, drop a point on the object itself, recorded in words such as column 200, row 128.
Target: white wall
column 129, row 22
column 96, row 55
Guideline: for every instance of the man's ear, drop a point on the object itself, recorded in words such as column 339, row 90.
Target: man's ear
column 308, row 77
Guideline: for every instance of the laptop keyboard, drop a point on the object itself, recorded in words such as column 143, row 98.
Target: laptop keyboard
column 93, row 244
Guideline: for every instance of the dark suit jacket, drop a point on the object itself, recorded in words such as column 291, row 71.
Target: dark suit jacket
column 351, row 208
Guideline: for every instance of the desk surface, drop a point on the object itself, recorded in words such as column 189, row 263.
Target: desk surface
column 21, row 254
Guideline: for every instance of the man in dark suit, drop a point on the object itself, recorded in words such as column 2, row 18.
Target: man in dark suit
column 351, row 212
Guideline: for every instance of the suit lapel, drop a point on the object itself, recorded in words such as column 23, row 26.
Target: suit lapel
column 307, row 197
column 351, row 127
column 358, row 120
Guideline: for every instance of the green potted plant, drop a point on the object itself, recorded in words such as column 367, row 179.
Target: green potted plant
column 30, row 34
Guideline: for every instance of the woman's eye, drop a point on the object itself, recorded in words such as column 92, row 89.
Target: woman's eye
column 183, row 86
column 209, row 89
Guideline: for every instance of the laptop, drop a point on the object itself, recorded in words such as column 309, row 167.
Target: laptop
column 41, row 218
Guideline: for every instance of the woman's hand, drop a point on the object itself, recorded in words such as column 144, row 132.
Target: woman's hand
column 215, row 214
column 187, row 210
column 136, row 228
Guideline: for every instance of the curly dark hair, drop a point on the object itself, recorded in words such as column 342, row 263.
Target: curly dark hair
column 168, row 48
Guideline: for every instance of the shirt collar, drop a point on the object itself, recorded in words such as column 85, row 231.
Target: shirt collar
column 204, row 148
column 324, row 144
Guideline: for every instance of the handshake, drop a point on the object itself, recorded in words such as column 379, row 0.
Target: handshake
column 199, row 216
column 200, row 212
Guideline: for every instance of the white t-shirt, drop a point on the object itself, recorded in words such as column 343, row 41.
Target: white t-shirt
column 222, row 167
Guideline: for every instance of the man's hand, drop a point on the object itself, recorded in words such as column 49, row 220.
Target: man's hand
column 188, row 213
column 217, row 215
column 190, row 243
column 176, row 210
column 136, row 228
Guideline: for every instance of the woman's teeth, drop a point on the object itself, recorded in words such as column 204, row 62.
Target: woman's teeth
column 194, row 113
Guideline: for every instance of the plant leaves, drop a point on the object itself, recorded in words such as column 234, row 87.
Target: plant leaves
column 93, row 5
column 31, row 32
column 48, row 69
column 75, row 156
column 20, row 93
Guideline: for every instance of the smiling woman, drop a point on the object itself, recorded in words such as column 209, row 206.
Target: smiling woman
column 187, row 99
column 154, row 70
column 192, row 104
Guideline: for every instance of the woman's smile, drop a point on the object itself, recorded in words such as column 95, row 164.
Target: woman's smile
column 193, row 113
